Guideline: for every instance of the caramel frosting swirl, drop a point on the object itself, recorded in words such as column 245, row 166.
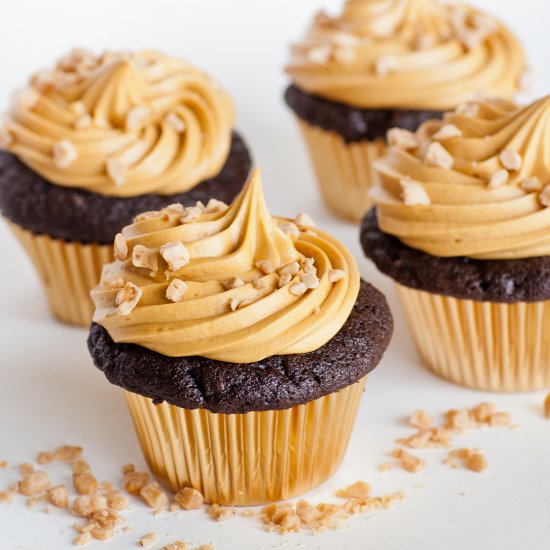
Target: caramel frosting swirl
column 476, row 184
column 228, row 283
column 408, row 54
column 122, row 124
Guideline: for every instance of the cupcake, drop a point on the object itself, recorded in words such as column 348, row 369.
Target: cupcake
column 242, row 343
column 98, row 140
column 382, row 64
column 462, row 224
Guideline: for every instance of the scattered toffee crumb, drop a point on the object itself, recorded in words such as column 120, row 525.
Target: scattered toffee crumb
column 285, row 518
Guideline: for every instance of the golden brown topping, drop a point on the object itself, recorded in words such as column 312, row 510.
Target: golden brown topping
column 145, row 257
column 26, row 468
column 176, row 290
column 421, row 419
column 64, row 153
column 234, row 282
column 413, row 193
column 473, row 460
column 59, row 496
column 81, row 466
column 447, row 131
column 431, row 438
column 310, row 279
column 359, row 489
column 135, row 481
column 189, row 498
column 85, row 483
column 498, row 179
column 511, row 160
column 290, row 269
column 175, row 255
column 34, row 483
column 460, row 420
column 67, row 453
column 121, row 247
column 386, row 467
column 82, row 507
column 292, row 518
column 265, row 266
column 45, row 457
column 128, row 469
column 438, row 156
column 290, row 228
column 298, row 289
column 531, row 184
column 386, row 64
column 221, row 513
column 154, row 496
column 408, row 461
column 116, row 500
column 127, row 298
column 8, row 494
column 99, row 533
column 83, row 539
column 305, row 220
column 403, row 139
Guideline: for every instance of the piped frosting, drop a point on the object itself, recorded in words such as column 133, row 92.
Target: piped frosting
column 121, row 124
column 476, row 184
column 228, row 283
column 408, row 54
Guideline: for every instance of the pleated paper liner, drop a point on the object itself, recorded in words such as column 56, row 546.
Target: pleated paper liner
column 344, row 171
column 482, row 345
column 68, row 272
column 246, row 459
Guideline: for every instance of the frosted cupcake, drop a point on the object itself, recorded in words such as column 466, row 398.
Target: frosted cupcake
column 100, row 139
column 243, row 343
column 389, row 63
column 462, row 225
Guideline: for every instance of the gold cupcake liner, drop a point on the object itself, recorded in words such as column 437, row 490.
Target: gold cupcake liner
column 482, row 345
column 246, row 459
column 68, row 271
column 344, row 171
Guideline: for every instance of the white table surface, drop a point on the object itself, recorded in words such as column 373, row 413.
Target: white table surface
column 51, row 394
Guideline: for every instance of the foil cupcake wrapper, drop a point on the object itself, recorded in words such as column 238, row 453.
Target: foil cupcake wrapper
column 68, row 272
column 482, row 345
column 246, row 459
column 344, row 171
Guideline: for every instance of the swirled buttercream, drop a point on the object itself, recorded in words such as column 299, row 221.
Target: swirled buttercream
column 122, row 124
column 228, row 283
column 408, row 54
column 476, row 184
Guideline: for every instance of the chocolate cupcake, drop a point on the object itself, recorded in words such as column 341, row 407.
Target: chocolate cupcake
column 382, row 64
column 98, row 140
column 242, row 343
column 462, row 224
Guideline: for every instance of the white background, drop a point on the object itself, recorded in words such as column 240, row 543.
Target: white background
column 51, row 394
